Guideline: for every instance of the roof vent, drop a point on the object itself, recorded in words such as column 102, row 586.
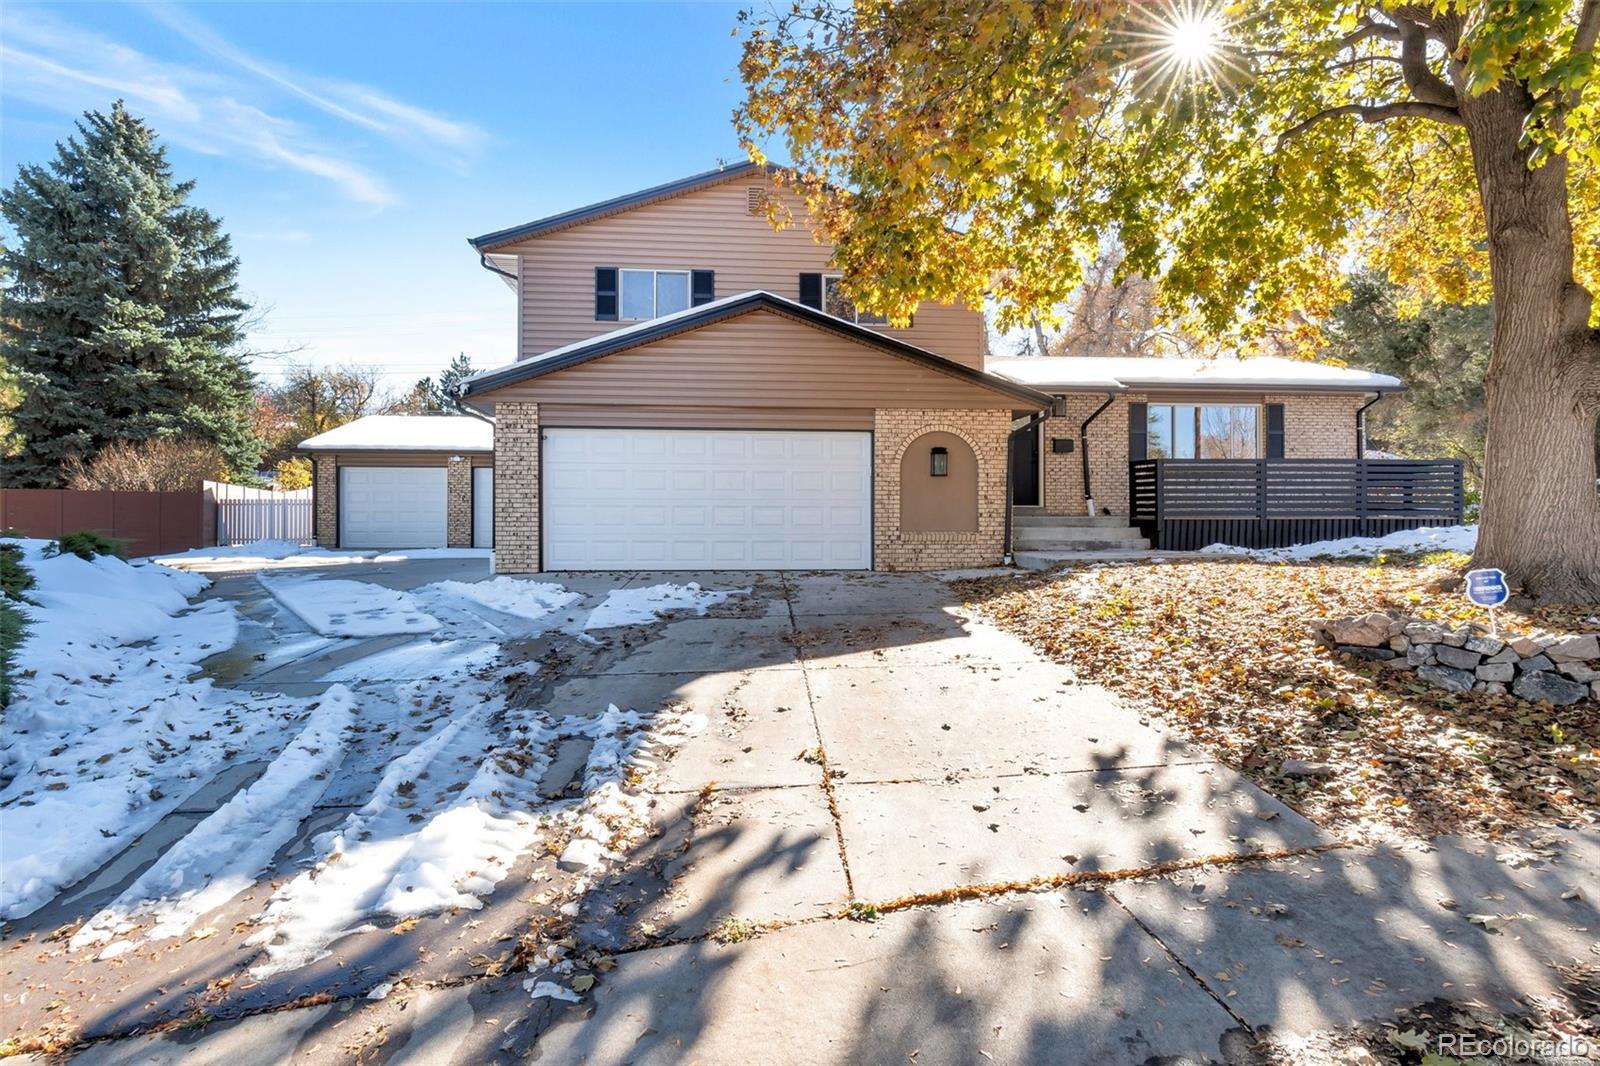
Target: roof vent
column 756, row 200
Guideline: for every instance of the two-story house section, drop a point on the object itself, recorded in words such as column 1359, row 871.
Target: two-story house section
column 693, row 391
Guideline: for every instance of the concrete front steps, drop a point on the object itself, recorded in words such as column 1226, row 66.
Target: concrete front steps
column 1077, row 533
column 1040, row 541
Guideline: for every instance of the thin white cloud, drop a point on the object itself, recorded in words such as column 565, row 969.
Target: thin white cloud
column 67, row 69
column 360, row 105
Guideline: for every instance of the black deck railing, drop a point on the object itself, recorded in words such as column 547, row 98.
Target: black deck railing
column 1269, row 503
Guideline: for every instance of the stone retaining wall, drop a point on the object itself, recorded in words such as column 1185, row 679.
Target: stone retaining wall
column 1559, row 669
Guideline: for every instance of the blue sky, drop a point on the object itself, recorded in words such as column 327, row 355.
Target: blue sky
column 352, row 148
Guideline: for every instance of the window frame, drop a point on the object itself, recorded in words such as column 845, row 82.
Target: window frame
column 1197, row 437
column 856, row 312
column 655, row 303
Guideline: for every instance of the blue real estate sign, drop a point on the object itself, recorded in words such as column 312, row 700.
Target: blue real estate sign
column 1487, row 588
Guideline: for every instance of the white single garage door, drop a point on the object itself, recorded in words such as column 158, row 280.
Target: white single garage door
column 675, row 499
column 392, row 506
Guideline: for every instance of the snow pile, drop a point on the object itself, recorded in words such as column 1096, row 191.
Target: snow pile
column 224, row 854
column 107, row 733
column 340, row 608
column 532, row 600
column 1443, row 538
column 632, row 607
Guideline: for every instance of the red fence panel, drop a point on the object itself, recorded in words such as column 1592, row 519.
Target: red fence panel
column 151, row 523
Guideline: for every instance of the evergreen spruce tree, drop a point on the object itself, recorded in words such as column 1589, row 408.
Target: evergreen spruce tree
column 122, row 317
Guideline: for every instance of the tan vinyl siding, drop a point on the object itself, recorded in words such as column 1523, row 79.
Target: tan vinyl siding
column 709, row 229
column 759, row 370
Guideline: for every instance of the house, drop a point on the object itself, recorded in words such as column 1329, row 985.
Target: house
column 692, row 390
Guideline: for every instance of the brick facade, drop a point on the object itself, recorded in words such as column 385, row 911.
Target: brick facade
column 1316, row 426
column 1108, row 456
column 325, row 489
column 458, row 503
column 1319, row 425
column 516, row 488
column 894, row 430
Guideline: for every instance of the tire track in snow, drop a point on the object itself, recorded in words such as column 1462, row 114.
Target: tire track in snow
column 231, row 847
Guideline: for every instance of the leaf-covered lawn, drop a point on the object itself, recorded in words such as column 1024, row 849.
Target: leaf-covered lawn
column 1222, row 652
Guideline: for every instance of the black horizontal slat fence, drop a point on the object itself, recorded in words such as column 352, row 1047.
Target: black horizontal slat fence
column 1183, row 504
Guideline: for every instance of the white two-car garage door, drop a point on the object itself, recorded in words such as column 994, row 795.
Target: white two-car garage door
column 675, row 499
column 392, row 506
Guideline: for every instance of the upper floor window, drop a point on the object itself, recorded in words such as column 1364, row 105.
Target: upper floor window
column 836, row 303
column 1203, row 431
column 648, row 294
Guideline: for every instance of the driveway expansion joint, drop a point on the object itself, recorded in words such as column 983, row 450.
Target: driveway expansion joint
column 822, row 748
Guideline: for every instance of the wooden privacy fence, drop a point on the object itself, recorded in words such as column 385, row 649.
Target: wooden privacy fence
column 1183, row 504
column 245, row 514
column 150, row 523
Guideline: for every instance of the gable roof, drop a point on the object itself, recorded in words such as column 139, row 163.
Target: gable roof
column 406, row 433
column 617, row 204
column 693, row 318
column 1054, row 372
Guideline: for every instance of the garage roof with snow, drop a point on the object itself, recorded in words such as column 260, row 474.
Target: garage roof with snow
column 406, row 433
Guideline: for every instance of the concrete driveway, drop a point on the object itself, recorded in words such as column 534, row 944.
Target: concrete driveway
column 890, row 833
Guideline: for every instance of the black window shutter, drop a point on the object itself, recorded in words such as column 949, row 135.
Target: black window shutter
column 605, row 294
column 1138, row 431
column 1274, row 431
column 811, row 290
column 702, row 287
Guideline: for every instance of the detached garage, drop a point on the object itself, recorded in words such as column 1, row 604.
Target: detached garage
column 404, row 481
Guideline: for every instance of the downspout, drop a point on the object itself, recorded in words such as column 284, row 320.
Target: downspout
column 461, row 406
column 1083, row 450
column 483, row 261
column 1057, row 408
column 1361, row 425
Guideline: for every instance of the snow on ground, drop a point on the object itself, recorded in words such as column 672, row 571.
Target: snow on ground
column 107, row 732
column 287, row 555
column 340, row 608
column 424, row 659
column 451, row 815
column 413, row 847
column 532, row 600
column 402, row 554
column 1442, row 538
column 232, row 846
column 632, row 607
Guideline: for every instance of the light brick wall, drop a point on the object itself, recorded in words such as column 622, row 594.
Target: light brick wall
column 895, row 429
column 1108, row 456
column 1316, row 426
column 516, row 488
column 458, row 503
column 325, row 520
column 1319, row 425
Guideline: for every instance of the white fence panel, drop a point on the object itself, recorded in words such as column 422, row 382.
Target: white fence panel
column 245, row 514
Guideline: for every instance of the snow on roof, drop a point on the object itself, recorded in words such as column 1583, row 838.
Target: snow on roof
column 1109, row 372
column 407, row 433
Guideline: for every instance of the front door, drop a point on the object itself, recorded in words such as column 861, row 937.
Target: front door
column 1025, row 468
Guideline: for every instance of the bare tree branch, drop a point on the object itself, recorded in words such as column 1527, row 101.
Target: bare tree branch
column 1424, row 84
column 1377, row 113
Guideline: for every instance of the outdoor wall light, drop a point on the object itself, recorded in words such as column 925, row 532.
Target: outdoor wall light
column 940, row 460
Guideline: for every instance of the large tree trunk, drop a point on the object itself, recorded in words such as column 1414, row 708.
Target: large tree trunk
column 1541, row 512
